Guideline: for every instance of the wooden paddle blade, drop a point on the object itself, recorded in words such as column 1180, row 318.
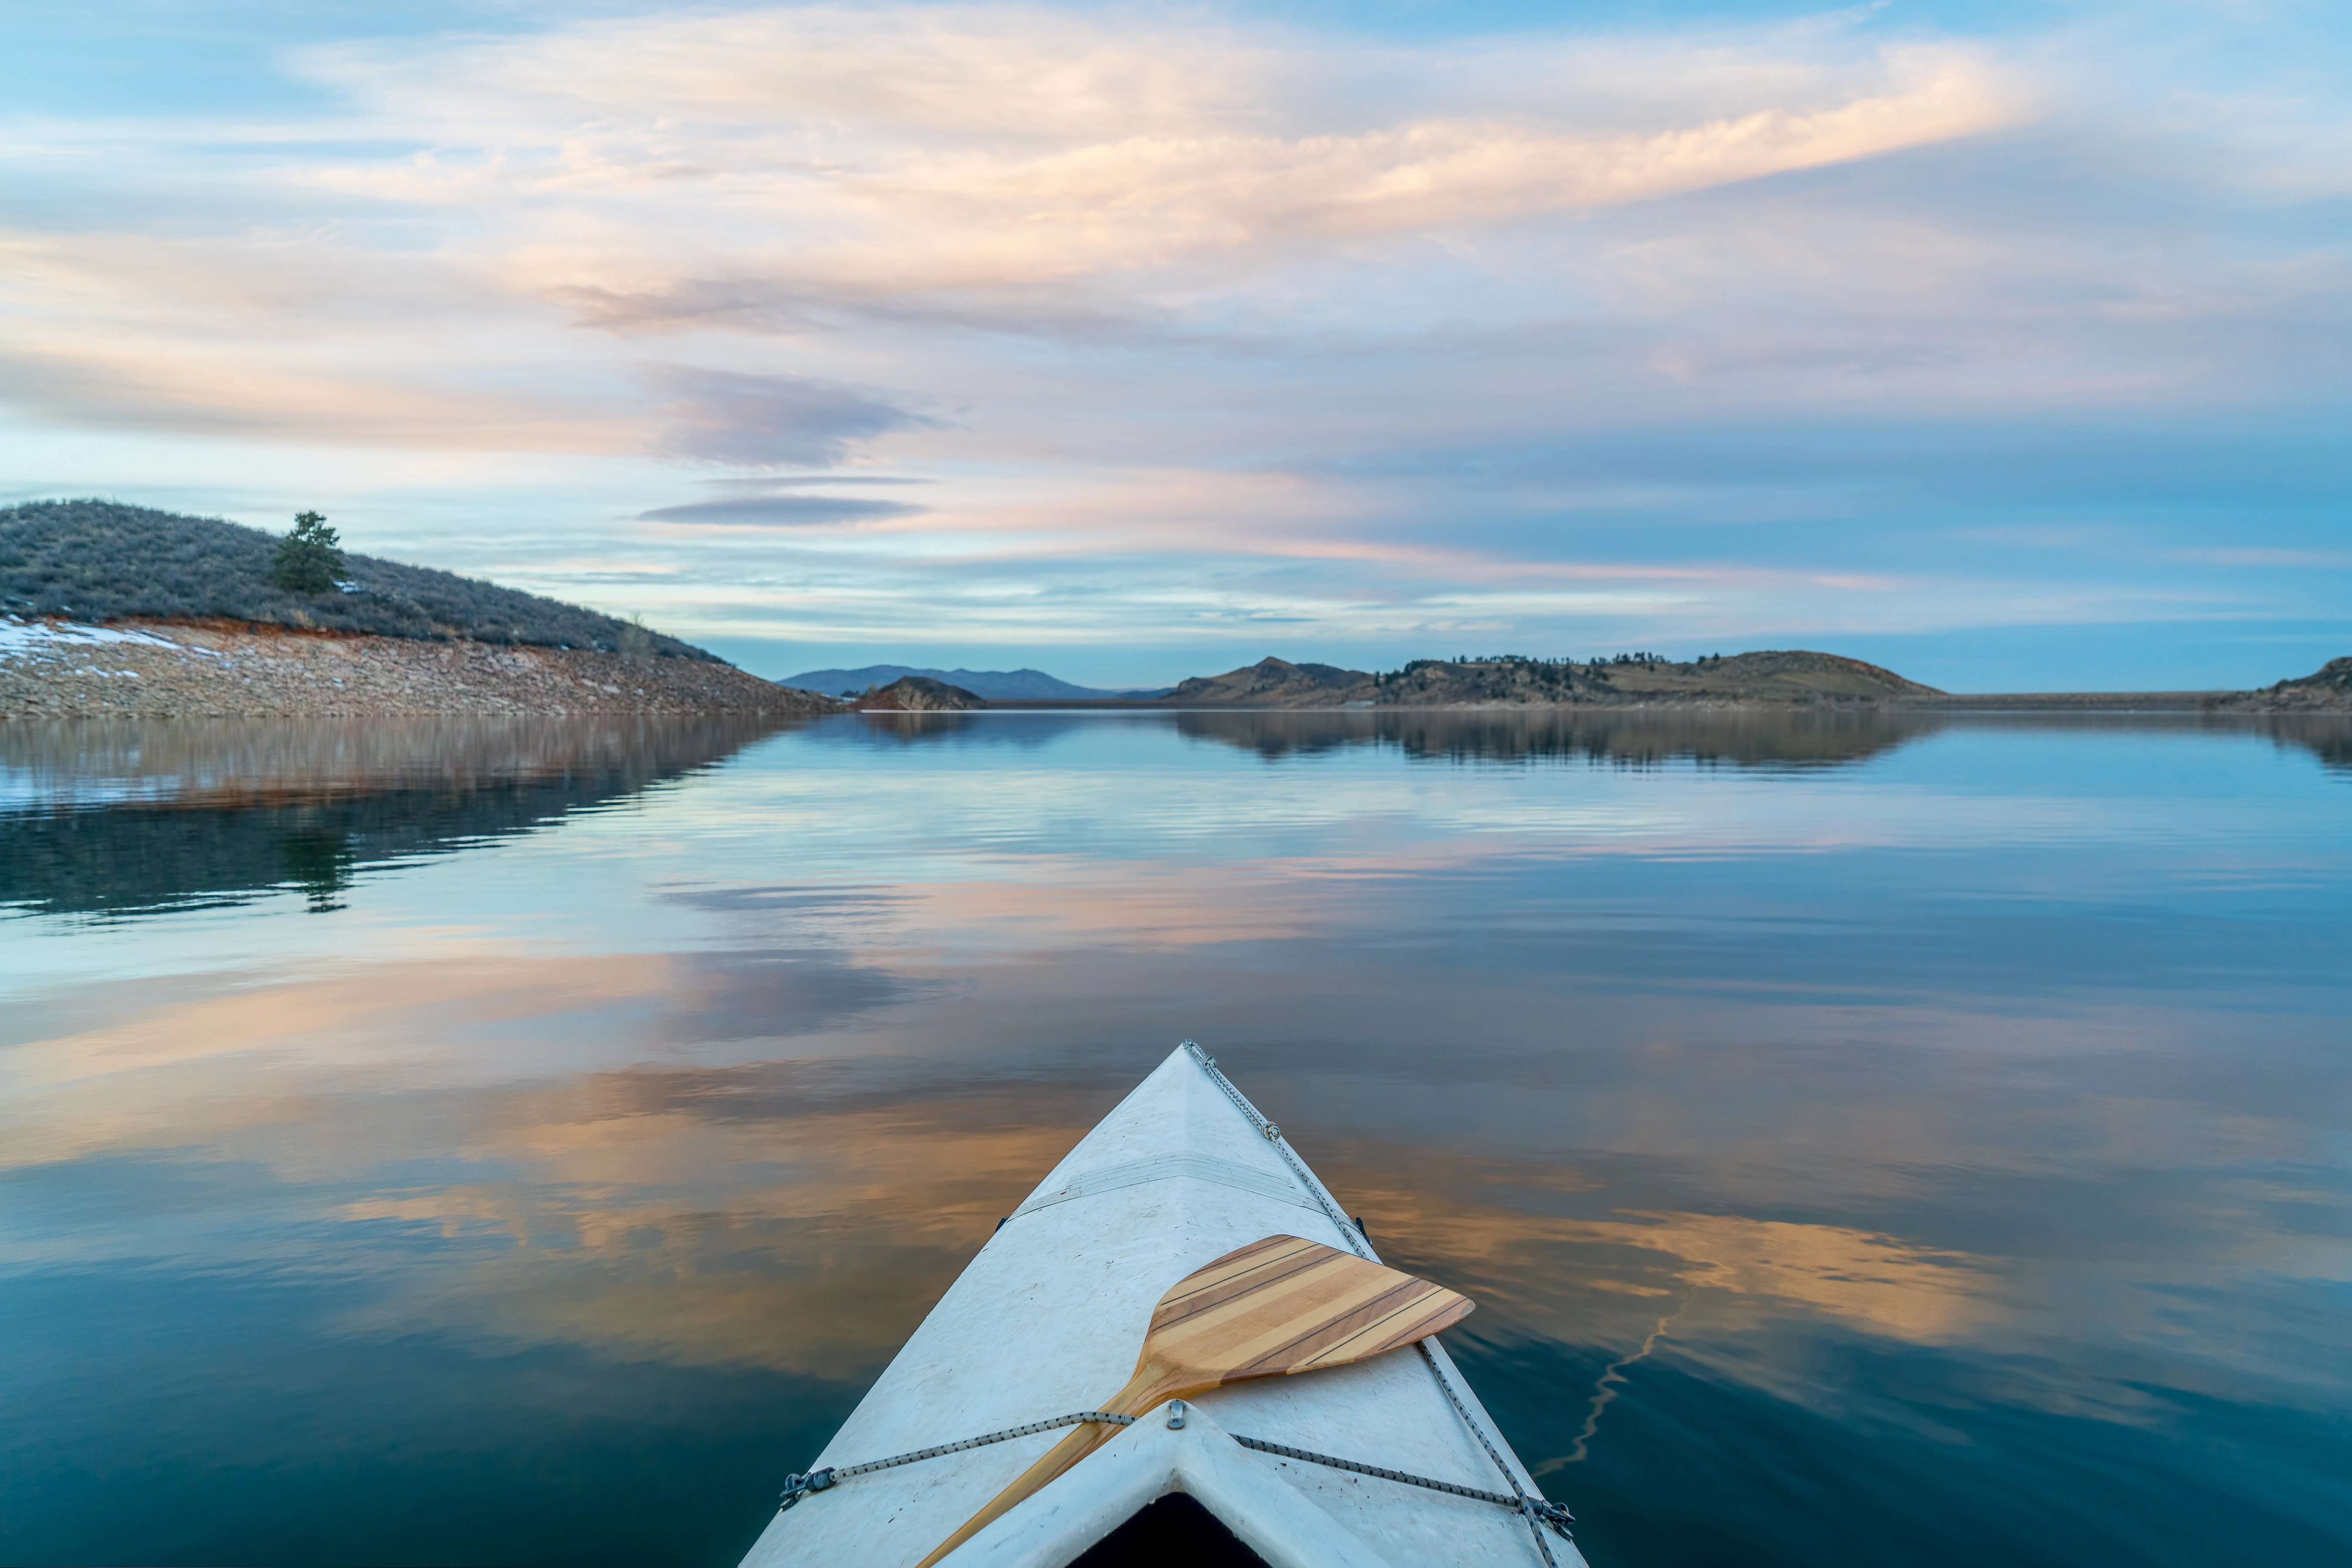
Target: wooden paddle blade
column 1286, row 1304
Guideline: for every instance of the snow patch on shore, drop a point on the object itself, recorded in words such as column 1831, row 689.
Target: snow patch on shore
column 19, row 635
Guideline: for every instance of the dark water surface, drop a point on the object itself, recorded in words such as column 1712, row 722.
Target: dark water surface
column 1869, row 1140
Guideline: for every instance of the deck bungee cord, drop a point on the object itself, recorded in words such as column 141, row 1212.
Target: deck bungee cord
column 1551, row 1513
column 797, row 1486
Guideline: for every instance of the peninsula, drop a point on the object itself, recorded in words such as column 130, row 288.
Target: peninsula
column 110, row 611
column 1512, row 681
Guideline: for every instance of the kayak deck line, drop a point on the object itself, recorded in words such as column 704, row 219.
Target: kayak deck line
column 1049, row 1313
column 798, row 1487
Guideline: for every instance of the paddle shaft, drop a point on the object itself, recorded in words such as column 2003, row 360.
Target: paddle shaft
column 1152, row 1385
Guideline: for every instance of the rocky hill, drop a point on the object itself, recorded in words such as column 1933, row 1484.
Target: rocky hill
column 1779, row 678
column 123, row 611
column 2327, row 689
column 1273, row 682
column 102, row 561
column 918, row 694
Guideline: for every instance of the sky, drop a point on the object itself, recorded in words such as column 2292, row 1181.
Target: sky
column 2006, row 344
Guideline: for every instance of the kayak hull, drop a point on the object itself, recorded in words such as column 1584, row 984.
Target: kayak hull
column 1046, row 1320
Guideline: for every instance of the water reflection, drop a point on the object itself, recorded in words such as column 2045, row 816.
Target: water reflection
column 1745, row 738
column 1749, row 738
column 2327, row 738
column 1736, row 738
column 125, row 818
column 1915, row 1141
column 897, row 731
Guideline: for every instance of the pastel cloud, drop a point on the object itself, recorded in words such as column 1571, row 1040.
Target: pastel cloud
column 903, row 160
column 1203, row 322
column 756, row 421
column 779, row 512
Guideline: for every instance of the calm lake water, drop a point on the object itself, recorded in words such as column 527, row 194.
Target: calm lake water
column 1869, row 1140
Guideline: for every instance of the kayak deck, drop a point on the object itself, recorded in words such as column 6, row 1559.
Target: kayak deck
column 1047, row 1320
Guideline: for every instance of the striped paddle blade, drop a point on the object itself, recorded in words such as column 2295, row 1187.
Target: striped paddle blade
column 1282, row 1305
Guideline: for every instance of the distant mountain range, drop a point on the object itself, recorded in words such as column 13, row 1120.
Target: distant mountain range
column 996, row 686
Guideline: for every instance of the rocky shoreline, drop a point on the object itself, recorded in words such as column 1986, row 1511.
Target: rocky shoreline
column 147, row 669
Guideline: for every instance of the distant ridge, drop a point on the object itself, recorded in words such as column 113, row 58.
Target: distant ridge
column 1789, row 677
column 1274, row 683
column 995, row 685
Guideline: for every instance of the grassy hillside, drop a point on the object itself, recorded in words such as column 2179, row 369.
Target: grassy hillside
column 1273, row 682
column 1788, row 676
column 99, row 560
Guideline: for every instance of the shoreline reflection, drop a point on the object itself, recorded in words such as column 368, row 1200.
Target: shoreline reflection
column 120, row 820
column 1762, row 740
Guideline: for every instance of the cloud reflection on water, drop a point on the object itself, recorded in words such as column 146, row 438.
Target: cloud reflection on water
column 1958, row 1050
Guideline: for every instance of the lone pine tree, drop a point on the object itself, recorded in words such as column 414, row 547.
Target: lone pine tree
column 308, row 561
